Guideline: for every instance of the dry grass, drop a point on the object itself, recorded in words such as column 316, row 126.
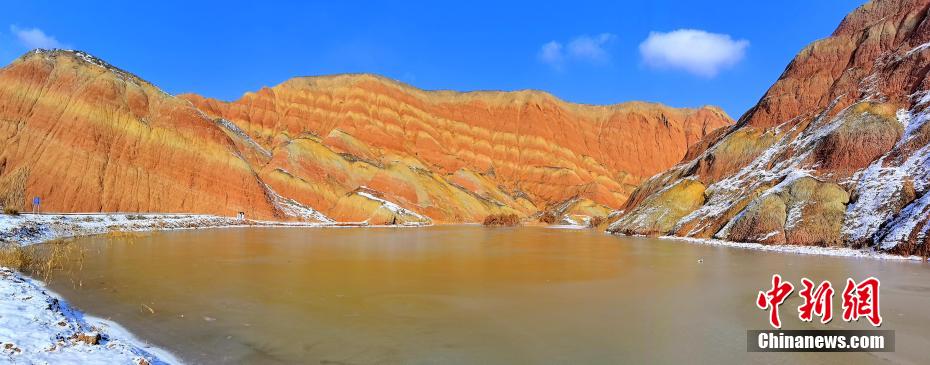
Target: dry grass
column 596, row 221
column 41, row 261
column 867, row 133
column 15, row 257
column 504, row 220
column 660, row 212
column 13, row 188
column 125, row 235
column 10, row 211
column 549, row 217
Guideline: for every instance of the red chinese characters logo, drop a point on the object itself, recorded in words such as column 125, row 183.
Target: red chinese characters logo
column 819, row 301
column 773, row 298
column 859, row 300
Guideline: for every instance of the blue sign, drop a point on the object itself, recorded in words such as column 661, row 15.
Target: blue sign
column 35, row 201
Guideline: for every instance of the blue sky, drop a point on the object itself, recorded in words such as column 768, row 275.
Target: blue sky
column 728, row 53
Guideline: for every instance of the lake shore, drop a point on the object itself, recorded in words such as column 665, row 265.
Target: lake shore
column 28, row 229
column 40, row 327
column 34, row 315
column 800, row 250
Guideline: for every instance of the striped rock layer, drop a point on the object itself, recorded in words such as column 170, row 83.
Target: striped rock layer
column 88, row 137
column 836, row 153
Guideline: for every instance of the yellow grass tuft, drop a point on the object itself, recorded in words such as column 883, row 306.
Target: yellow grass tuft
column 596, row 221
column 40, row 261
column 505, row 220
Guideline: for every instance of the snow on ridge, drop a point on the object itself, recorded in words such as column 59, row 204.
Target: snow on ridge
column 568, row 221
column 876, row 187
column 756, row 174
column 870, row 88
column 95, row 61
column 292, row 208
column 233, row 128
column 904, row 117
column 917, row 49
column 391, row 206
column 794, row 211
column 925, row 98
column 881, row 183
column 768, row 235
column 746, row 179
column 562, row 207
column 904, row 223
column 914, row 123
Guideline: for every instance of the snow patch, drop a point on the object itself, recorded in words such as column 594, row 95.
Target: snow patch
column 800, row 250
column 234, row 129
column 917, row 49
column 94, row 61
column 882, row 182
column 28, row 229
column 566, row 226
column 40, row 327
column 904, row 117
column 794, row 211
column 394, row 208
column 292, row 208
column 904, row 223
column 770, row 166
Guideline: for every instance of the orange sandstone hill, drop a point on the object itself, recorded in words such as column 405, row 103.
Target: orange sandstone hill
column 836, row 153
column 86, row 136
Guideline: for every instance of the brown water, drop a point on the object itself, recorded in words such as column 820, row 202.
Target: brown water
column 466, row 295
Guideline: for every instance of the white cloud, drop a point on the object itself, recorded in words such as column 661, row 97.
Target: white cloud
column 590, row 48
column 551, row 53
column 695, row 51
column 582, row 48
column 35, row 38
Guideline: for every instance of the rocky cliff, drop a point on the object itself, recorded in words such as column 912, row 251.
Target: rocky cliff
column 87, row 136
column 836, row 152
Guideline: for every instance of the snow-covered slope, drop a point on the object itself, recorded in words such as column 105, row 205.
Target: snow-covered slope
column 836, row 153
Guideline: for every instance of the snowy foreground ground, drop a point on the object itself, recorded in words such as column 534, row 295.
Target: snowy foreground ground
column 38, row 327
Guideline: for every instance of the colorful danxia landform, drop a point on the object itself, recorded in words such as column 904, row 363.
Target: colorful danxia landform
column 836, row 153
column 86, row 136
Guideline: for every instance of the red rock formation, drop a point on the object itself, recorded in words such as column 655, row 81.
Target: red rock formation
column 89, row 137
column 523, row 143
column 835, row 153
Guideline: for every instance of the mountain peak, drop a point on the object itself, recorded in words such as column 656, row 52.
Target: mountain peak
column 83, row 58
